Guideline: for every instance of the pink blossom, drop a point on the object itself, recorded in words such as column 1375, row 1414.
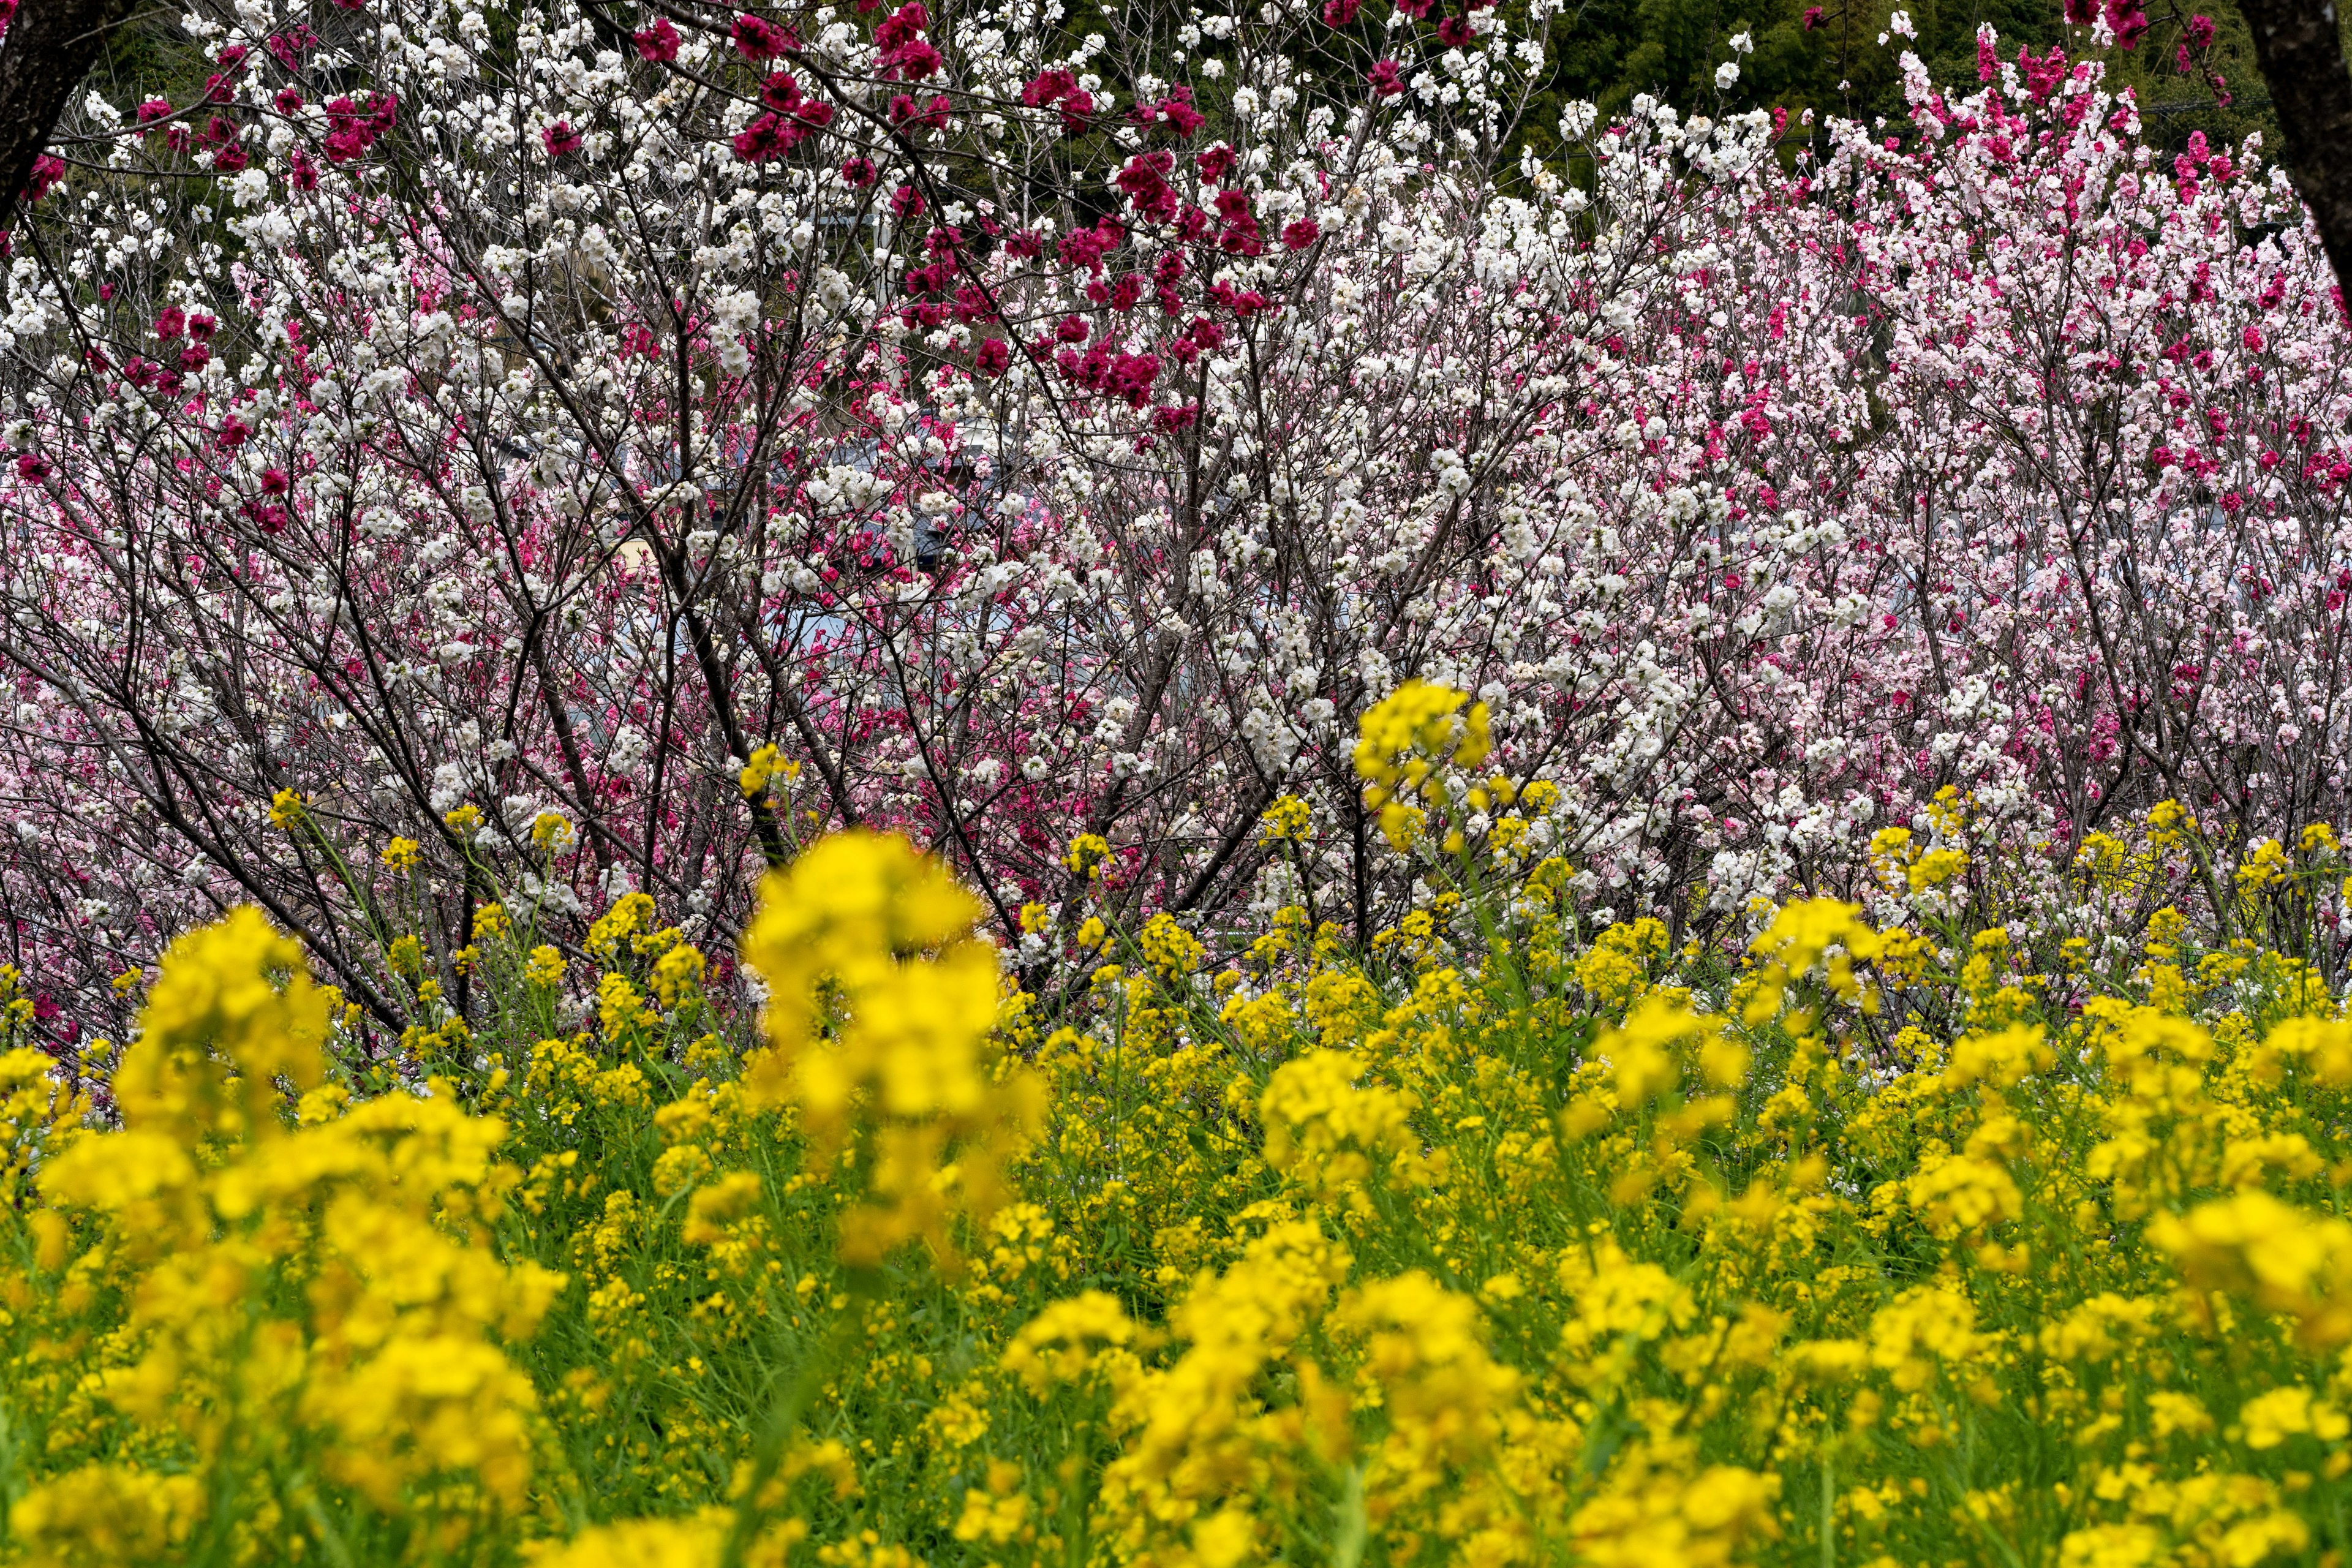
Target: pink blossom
column 657, row 42
column 46, row 172
column 756, row 38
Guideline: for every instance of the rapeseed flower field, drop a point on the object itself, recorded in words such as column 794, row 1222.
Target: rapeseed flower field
column 1517, row 1238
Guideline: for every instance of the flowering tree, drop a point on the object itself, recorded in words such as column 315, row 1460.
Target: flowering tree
column 602, row 453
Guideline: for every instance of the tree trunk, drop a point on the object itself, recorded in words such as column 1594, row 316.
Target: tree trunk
column 2301, row 50
column 47, row 50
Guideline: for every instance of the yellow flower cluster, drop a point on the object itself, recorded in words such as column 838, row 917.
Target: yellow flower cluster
column 1287, row 821
column 1515, row 1237
column 766, row 767
column 302, row 1286
column 1418, row 718
column 1326, row 1132
column 1419, row 750
column 880, row 1009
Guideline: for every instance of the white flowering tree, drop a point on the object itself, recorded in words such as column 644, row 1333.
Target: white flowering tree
column 1028, row 432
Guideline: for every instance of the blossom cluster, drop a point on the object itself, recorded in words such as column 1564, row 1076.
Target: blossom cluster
column 461, row 423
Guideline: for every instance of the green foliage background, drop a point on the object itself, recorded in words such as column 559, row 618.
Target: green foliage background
column 1607, row 51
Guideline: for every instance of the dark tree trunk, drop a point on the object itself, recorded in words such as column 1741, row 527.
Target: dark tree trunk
column 47, row 50
column 2301, row 51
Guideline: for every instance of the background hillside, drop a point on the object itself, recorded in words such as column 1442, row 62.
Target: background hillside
column 1608, row 51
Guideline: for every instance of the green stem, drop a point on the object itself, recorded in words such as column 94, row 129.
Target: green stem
column 784, row 1414
column 1829, row 1509
column 1354, row 1523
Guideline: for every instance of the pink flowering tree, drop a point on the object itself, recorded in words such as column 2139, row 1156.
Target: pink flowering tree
column 425, row 419
column 608, row 454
